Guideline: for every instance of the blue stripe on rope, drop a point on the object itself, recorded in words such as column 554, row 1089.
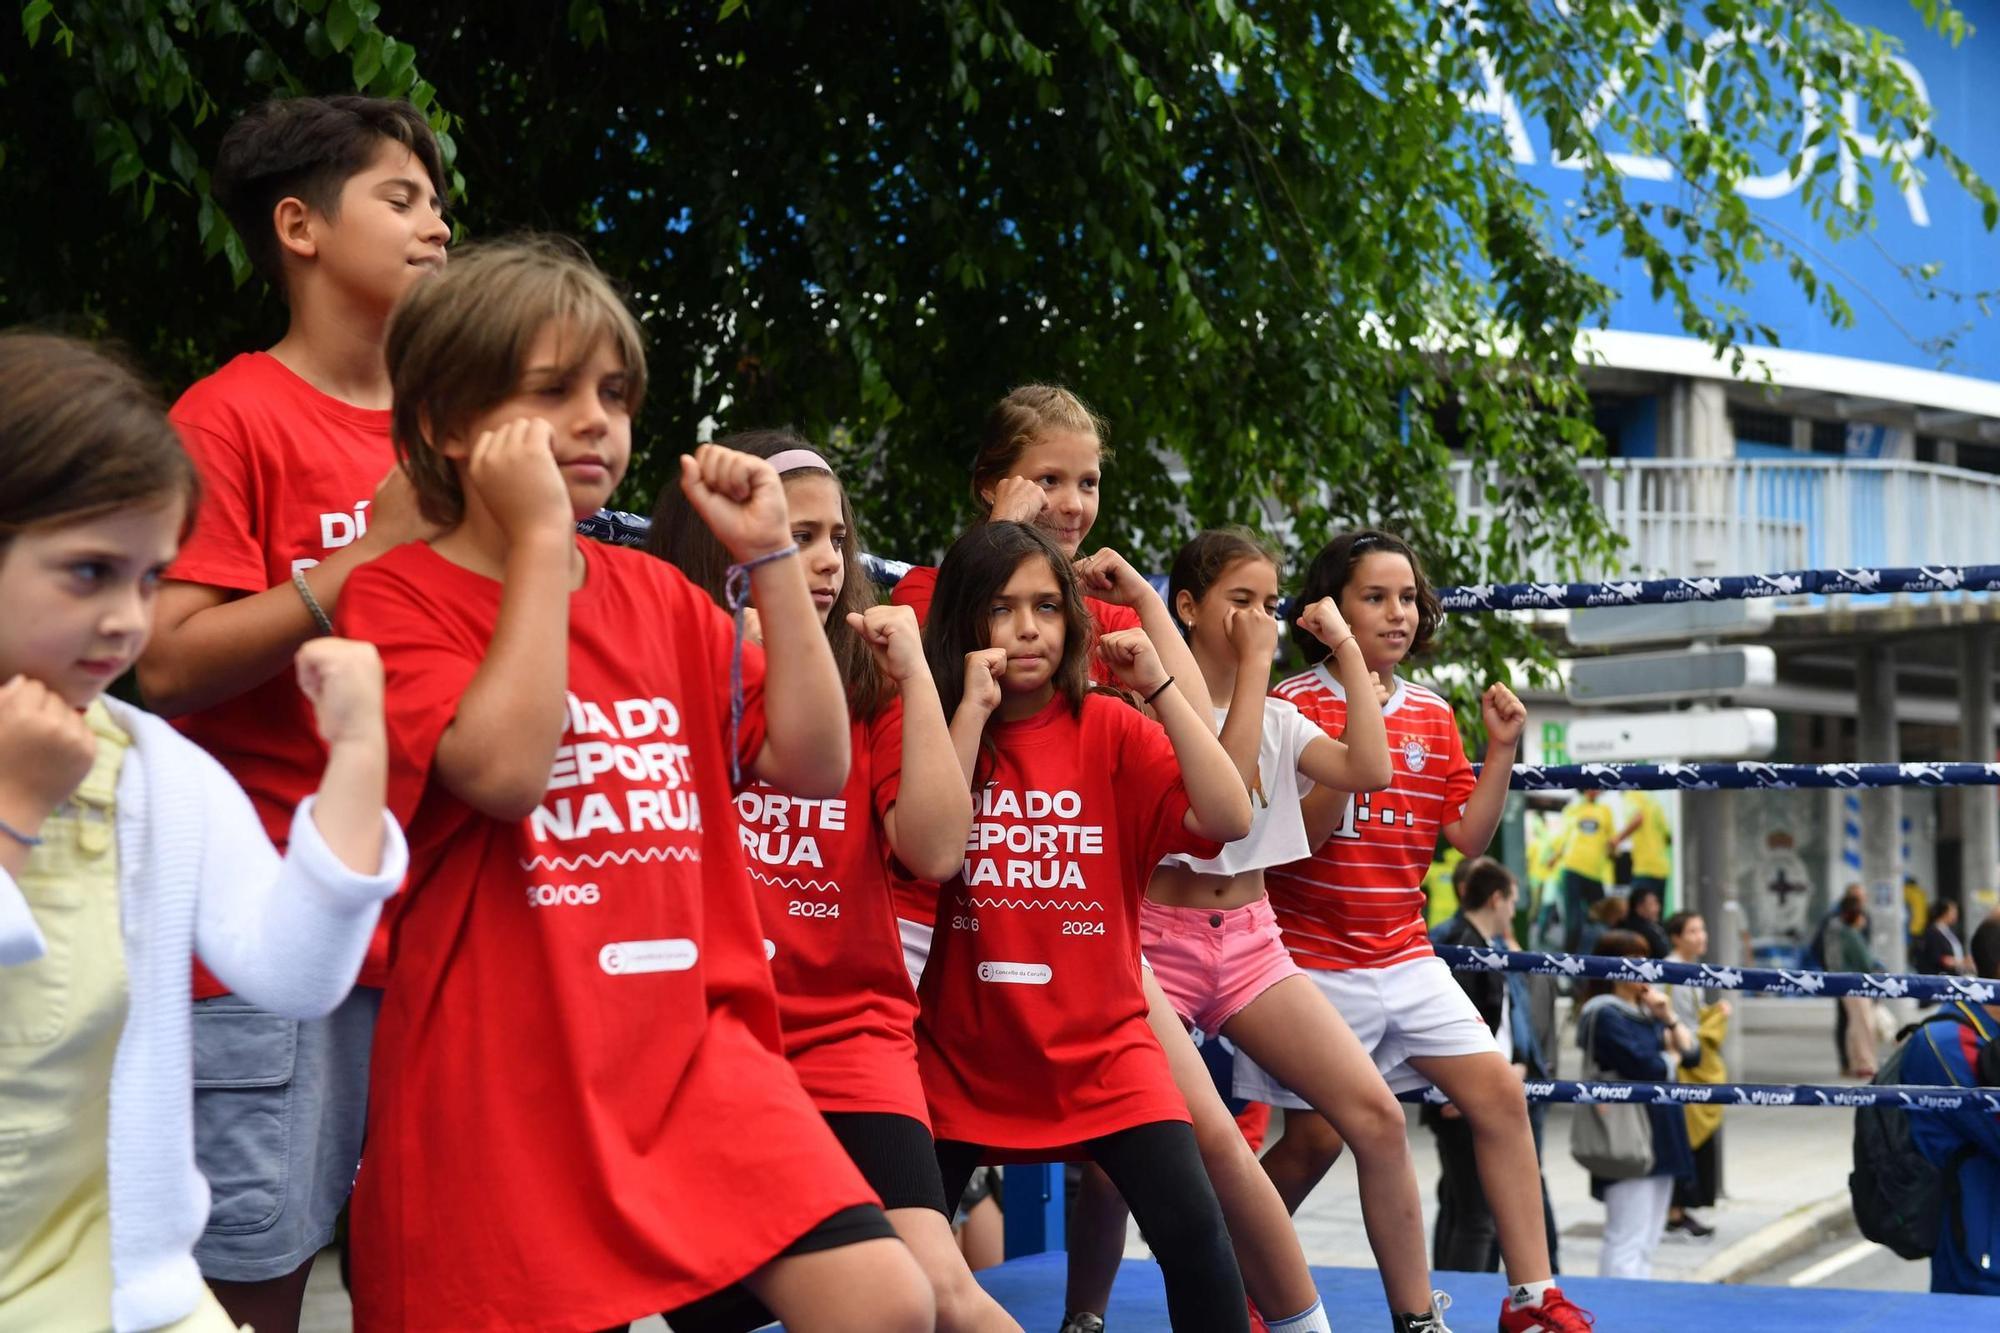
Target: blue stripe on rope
column 1745, row 1094
column 623, row 529
column 1768, row 980
column 1772, row 777
column 1727, row 588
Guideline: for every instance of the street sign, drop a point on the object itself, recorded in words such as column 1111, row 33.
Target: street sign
column 1611, row 626
column 1722, row 733
column 1688, row 674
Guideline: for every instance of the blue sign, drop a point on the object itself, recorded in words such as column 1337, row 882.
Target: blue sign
column 1933, row 222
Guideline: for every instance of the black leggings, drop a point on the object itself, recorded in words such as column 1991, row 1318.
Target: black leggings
column 1158, row 1169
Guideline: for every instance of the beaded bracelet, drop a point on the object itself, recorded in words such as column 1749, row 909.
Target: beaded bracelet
column 736, row 591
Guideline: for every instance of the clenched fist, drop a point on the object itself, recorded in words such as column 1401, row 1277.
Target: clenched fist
column 46, row 748
column 342, row 678
column 892, row 635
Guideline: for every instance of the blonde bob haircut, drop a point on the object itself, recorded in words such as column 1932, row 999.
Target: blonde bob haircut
column 458, row 344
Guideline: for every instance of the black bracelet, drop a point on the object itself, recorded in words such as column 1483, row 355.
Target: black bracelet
column 25, row 839
column 1157, row 693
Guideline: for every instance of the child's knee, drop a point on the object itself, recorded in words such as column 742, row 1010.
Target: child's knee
column 906, row 1304
column 1312, row 1140
column 1377, row 1126
column 960, row 1300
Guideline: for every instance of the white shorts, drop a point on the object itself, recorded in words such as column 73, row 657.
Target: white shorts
column 916, row 947
column 1412, row 1009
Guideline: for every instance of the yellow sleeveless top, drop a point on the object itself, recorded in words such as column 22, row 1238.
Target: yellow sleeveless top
column 60, row 1020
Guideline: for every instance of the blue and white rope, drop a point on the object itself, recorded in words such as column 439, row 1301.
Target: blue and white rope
column 1765, row 980
column 1745, row 1094
column 1750, row 774
column 1724, row 588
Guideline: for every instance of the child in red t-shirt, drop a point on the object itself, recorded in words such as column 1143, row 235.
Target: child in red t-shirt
column 338, row 201
column 1352, row 914
column 581, row 1110
column 1033, row 1038
column 1208, row 927
column 820, row 867
column 1040, row 462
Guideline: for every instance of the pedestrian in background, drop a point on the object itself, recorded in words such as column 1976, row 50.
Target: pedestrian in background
column 1708, row 1019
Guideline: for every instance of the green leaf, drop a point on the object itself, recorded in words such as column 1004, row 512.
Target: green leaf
column 33, row 15
column 367, row 58
column 729, row 7
column 260, row 66
column 342, row 23
column 182, row 158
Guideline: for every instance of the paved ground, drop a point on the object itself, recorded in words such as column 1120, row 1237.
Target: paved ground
column 1776, row 1163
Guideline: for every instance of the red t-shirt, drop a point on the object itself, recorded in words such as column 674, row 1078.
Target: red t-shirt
column 916, row 900
column 818, row 871
column 1359, row 900
column 286, row 476
column 579, row 1111
column 1033, row 1036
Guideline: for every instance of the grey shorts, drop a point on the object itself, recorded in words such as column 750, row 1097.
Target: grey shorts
column 279, row 1108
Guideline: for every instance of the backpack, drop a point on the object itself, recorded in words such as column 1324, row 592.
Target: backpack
column 1900, row 1196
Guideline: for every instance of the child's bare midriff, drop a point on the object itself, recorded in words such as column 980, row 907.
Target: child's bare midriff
column 1174, row 885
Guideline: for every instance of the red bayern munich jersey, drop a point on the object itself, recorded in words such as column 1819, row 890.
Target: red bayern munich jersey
column 916, row 900
column 818, row 870
column 1033, row 1037
column 1359, row 901
column 578, row 1071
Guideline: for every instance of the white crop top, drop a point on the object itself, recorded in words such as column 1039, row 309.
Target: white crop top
column 1277, row 833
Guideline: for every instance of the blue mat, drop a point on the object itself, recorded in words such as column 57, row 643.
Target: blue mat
column 1032, row 1290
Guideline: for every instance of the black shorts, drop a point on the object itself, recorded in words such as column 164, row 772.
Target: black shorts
column 735, row 1310
column 895, row 1155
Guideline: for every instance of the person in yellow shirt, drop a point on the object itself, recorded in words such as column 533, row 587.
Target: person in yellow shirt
column 1584, row 864
column 1651, row 842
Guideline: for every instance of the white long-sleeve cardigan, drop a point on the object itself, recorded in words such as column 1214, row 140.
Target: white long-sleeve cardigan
column 196, row 874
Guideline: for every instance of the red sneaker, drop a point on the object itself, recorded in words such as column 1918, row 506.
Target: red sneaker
column 1557, row 1313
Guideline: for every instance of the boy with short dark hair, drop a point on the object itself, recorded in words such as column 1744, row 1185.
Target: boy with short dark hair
column 338, row 201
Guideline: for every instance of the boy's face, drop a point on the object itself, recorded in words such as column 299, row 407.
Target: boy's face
column 79, row 597
column 587, row 407
column 389, row 230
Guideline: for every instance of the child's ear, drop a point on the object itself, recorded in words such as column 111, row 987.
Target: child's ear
column 293, row 222
column 1184, row 608
column 453, row 447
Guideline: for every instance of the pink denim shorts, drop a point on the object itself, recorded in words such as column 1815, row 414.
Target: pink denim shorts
column 1212, row 963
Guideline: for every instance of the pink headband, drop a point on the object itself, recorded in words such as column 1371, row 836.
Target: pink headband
column 791, row 460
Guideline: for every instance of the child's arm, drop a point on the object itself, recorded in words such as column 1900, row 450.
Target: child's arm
column 976, row 705
column 289, row 935
column 1254, row 635
column 1107, row 576
column 805, row 707
column 210, row 644
column 932, row 816
column 1359, row 760
column 1505, row 718
column 501, row 743
column 1218, row 805
column 342, row 678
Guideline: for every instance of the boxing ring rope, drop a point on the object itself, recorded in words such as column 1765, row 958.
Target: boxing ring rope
column 1747, row 775
column 1745, row 1094
column 1802, row 984
column 1480, row 597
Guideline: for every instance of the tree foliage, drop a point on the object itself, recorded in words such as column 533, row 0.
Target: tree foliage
column 1280, row 246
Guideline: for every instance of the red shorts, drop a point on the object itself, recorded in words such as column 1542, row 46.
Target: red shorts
column 1213, row 963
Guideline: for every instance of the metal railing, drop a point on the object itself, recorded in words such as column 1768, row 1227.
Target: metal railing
column 1729, row 516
